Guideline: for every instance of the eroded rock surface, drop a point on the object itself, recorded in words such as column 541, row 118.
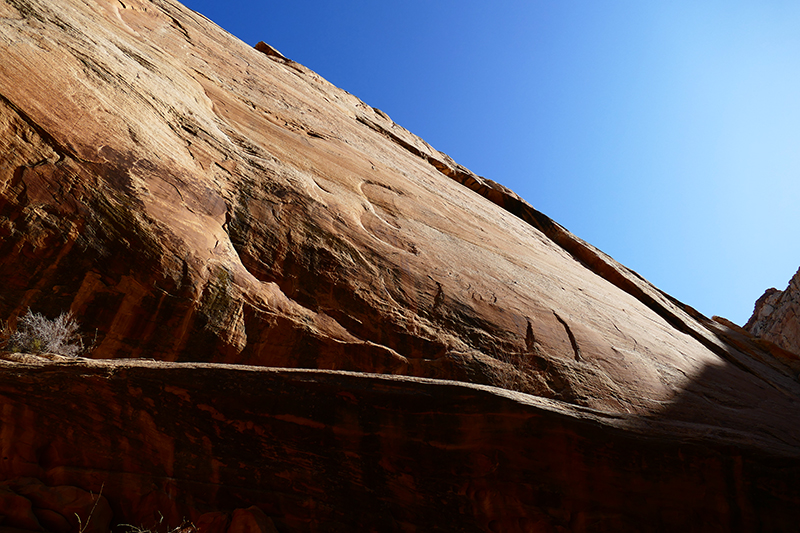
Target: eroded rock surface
column 191, row 198
column 29, row 504
column 776, row 316
column 302, row 450
column 194, row 199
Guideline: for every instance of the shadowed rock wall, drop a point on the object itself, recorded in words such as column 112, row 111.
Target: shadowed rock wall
column 339, row 451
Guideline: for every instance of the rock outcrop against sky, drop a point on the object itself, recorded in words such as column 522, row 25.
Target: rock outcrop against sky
column 776, row 317
column 192, row 199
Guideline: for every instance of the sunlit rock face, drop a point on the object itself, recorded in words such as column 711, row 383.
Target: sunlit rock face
column 191, row 198
column 194, row 199
column 776, row 316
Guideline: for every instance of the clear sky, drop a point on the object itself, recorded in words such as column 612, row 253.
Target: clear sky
column 666, row 133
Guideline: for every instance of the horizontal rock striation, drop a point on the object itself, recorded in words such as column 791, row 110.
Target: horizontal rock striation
column 337, row 451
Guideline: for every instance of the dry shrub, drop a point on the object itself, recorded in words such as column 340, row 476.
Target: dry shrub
column 36, row 333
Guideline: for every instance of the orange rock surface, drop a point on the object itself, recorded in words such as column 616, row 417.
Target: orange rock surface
column 193, row 199
column 776, row 317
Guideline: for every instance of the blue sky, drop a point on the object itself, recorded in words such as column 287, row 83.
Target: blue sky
column 667, row 134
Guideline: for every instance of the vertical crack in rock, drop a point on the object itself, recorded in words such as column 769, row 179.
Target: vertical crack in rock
column 439, row 298
column 572, row 341
column 530, row 338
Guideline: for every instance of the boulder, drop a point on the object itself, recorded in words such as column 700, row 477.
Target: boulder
column 251, row 520
column 29, row 504
column 17, row 511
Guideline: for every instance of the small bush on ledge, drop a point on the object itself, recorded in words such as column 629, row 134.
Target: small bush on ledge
column 36, row 333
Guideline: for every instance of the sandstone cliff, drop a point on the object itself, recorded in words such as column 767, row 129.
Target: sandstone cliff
column 192, row 199
column 776, row 317
column 339, row 451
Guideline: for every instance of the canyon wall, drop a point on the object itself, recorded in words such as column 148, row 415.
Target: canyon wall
column 776, row 317
column 339, row 451
column 199, row 203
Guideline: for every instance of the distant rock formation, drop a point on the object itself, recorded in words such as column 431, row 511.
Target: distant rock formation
column 776, row 317
column 203, row 204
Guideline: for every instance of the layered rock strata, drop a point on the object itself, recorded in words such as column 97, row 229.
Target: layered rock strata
column 776, row 317
column 338, row 451
column 192, row 199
